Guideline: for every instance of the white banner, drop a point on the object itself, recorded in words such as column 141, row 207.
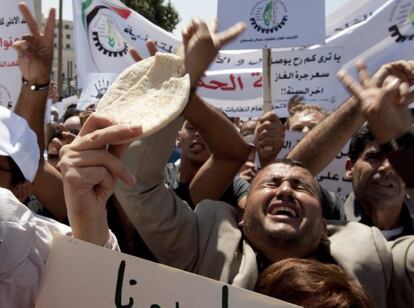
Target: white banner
column 104, row 30
column 274, row 23
column 101, row 24
column 350, row 14
column 79, row 274
column 332, row 177
column 12, row 28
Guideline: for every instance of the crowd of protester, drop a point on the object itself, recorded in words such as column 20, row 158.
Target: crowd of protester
column 210, row 196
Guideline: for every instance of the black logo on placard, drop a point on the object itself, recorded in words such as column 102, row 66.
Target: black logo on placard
column 268, row 16
column 403, row 29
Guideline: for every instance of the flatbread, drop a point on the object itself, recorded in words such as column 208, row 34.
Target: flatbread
column 151, row 93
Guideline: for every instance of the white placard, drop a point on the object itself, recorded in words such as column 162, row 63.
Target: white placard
column 274, row 23
column 79, row 274
column 332, row 178
column 307, row 73
column 96, row 86
column 12, row 28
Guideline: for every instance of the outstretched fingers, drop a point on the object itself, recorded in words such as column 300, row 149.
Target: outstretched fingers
column 134, row 54
column 231, row 33
column 50, row 28
column 31, row 22
column 352, row 86
column 364, row 76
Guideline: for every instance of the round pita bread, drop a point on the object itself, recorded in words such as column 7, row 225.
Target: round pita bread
column 151, row 93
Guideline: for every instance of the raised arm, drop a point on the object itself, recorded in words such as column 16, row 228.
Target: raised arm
column 320, row 146
column 389, row 119
column 317, row 149
column 228, row 151
column 227, row 147
column 35, row 54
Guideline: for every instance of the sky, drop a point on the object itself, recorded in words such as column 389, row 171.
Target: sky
column 205, row 9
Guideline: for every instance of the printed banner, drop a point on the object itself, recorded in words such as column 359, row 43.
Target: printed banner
column 274, row 23
column 350, row 14
column 79, row 274
column 12, row 28
column 333, row 176
column 105, row 30
column 384, row 34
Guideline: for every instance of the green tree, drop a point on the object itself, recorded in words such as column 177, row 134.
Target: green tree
column 163, row 15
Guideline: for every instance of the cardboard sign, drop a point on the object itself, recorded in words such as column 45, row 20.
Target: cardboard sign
column 79, row 274
column 274, row 23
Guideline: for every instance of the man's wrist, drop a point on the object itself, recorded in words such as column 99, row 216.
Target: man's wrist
column 36, row 87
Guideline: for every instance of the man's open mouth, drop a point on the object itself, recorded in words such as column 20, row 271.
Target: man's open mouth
column 282, row 208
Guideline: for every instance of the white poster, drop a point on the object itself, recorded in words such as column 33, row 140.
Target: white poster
column 12, row 28
column 96, row 86
column 332, row 178
column 274, row 23
column 79, row 274
column 307, row 73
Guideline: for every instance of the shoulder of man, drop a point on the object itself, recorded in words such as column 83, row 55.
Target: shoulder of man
column 402, row 284
column 23, row 234
column 227, row 256
column 365, row 255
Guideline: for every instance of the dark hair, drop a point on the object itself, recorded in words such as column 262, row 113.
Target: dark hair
column 55, row 132
column 17, row 176
column 311, row 284
column 359, row 142
column 70, row 112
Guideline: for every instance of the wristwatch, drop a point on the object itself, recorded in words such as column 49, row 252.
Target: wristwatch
column 34, row 87
column 398, row 143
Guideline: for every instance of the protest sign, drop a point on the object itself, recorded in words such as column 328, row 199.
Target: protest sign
column 12, row 28
column 274, row 23
column 96, row 86
column 79, row 274
column 350, row 14
column 104, row 32
column 307, row 73
column 333, row 176
column 378, row 20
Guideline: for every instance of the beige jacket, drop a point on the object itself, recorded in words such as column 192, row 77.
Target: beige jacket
column 208, row 242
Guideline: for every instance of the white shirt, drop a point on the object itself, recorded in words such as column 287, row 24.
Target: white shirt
column 24, row 247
